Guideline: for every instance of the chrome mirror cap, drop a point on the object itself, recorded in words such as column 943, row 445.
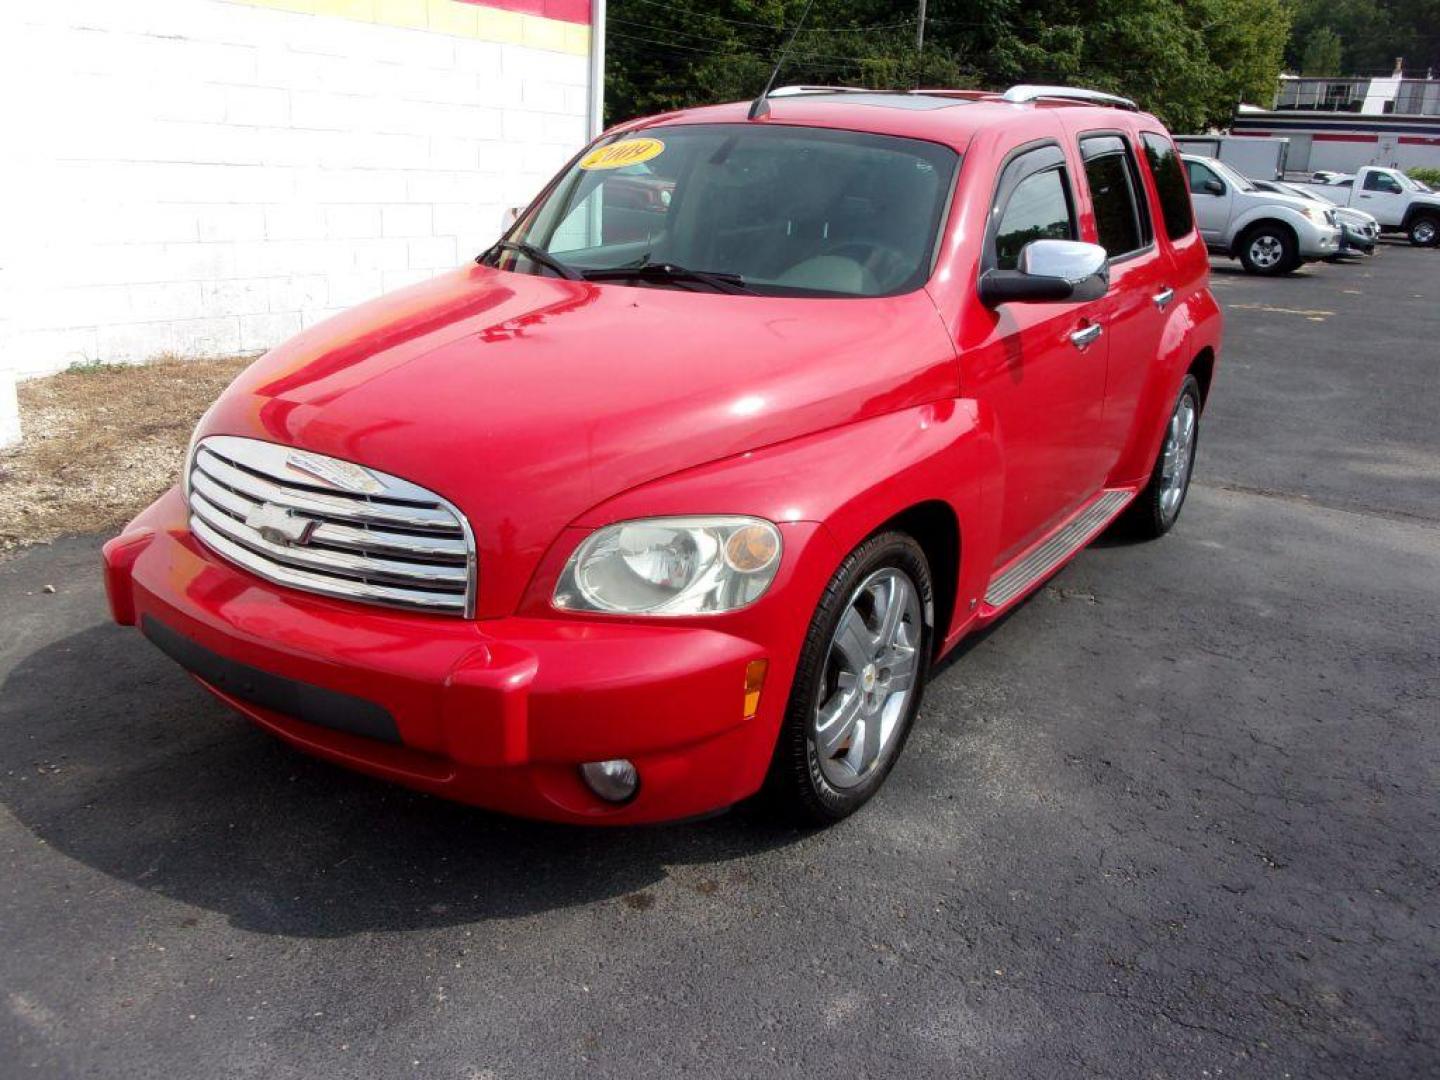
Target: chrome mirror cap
column 1049, row 271
column 1072, row 261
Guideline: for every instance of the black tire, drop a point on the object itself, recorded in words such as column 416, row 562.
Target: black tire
column 1424, row 230
column 797, row 785
column 1148, row 517
column 1272, row 237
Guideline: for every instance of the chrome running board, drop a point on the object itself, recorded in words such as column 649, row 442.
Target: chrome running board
column 1064, row 542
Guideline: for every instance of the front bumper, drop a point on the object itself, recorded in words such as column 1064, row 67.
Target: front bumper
column 497, row 712
column 1319, row 242
column 1357, row 241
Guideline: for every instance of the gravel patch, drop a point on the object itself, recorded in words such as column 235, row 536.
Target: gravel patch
column 100, row 443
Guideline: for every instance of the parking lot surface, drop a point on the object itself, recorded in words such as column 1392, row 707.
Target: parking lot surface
column 1176, row 817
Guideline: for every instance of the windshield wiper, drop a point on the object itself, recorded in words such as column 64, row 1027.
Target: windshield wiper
column 535, row 255
column 660, row 272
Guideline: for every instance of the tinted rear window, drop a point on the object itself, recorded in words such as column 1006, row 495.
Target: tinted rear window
column 1169, row 176
column 1122, row 218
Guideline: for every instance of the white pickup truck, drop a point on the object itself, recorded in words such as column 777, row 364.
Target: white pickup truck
column 1398, row 203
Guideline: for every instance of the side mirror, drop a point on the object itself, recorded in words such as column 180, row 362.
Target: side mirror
column 1213, row 187
column 1050, row 270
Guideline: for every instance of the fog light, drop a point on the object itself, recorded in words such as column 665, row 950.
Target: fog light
column 614, row 781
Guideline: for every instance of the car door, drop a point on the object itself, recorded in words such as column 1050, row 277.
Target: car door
column 1037, row 368
column 1381, row 194
column 1213, row 200
column 1142, row 285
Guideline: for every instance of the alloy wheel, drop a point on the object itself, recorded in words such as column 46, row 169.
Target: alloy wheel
column 1266, row 251
column 1177, row 457
column 870, row 675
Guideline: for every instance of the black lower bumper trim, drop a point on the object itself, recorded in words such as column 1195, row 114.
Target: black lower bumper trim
column 301, row 701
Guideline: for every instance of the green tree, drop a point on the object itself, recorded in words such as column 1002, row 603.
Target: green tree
column 1322, row 53
column 1189, row 61
column 1372, row 33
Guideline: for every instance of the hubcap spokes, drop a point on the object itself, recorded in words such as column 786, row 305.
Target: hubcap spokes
column 869, row 677
column 1177, row 457
column 1265, row 251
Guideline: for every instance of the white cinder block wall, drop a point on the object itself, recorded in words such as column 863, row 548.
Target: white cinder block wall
column 207, row 177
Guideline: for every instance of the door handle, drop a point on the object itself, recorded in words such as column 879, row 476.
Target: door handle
column 1083, row 339
column 1163, row 298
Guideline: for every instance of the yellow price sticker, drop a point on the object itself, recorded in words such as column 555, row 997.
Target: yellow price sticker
column 620, row 154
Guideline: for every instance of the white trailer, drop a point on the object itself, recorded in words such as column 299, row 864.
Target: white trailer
column 1260, row 158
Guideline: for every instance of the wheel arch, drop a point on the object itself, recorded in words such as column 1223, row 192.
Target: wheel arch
column 934, row 525
column 1244, row 230
column 1203, row 368
column 1418, row 211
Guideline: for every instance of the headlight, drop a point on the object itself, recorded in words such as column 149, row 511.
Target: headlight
column 671, row 566
column 1317, row 215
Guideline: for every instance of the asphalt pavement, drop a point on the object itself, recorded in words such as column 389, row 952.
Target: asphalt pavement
column 1176, row 817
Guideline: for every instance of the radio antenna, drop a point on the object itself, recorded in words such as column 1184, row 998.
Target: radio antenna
column 760, row 107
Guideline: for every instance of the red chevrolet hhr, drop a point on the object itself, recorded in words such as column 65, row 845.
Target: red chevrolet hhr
column 678, row 492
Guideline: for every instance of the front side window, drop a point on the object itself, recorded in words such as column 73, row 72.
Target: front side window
column 1122, row 216
column 1038, row 209
column 1379, row 181
column 770, row 209
column 1169, row 178
column 1200, row 175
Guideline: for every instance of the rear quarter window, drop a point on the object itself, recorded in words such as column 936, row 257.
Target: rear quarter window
column 1122, row 216
column 1169, row 174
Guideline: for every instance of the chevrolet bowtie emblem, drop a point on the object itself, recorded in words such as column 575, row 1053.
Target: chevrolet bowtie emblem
column 280, row 526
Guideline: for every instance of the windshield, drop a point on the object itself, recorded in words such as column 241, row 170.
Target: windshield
column 1241, row 182
column 771, row 209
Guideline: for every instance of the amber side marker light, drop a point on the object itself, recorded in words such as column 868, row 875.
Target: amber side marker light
column 752, row 548
column 754, row 682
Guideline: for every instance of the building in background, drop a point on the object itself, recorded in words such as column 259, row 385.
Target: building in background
column 209, row 177
column 1340, row 124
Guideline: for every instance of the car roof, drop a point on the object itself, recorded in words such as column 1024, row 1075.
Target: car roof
column 951, row 117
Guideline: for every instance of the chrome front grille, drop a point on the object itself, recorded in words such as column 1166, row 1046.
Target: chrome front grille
column 328, row 526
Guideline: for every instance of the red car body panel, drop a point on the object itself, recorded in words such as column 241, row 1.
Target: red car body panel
column 544, row 408
column 500, row 390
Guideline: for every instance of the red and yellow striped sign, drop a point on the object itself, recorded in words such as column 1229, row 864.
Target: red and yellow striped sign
column 554, row 25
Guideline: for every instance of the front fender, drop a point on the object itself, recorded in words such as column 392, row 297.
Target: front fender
column 847, row 480
column 1242, row 221
column 1308, row 235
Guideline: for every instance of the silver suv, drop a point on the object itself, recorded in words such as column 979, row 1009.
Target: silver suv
column 1269, row 233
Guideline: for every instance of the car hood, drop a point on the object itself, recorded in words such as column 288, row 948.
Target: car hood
column 526, row 401
column 1295, row 202
column 1348, row 215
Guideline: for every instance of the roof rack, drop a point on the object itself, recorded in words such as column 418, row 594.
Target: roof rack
column 1017, row 95
column 1025, row 93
